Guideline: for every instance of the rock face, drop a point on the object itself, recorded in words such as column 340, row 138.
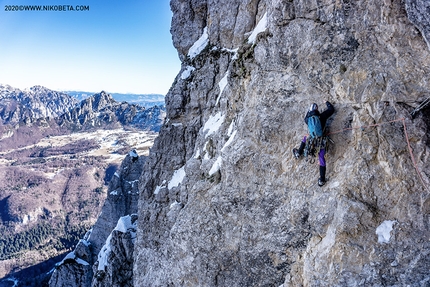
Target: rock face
column 115, row 260
column 224, row 203
column 35, row 103
column 105, row 256
column 75, row 268
column 418, row 14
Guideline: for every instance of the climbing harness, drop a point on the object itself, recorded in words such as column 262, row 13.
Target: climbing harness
column 314, row 145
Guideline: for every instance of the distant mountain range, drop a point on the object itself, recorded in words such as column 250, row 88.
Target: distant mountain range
column 37, row 102
column 102, row 110
column 145, row 100
column 28, row 115
column 79, row 109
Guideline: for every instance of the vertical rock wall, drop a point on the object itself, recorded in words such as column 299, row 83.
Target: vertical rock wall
column 222, row 200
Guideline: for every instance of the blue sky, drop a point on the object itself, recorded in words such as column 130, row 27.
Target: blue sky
column 116, row 46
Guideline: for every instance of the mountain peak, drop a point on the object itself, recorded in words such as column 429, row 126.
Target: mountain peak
column 103, row 110
column 38, row 88
column 101, row 100
column 32, row 103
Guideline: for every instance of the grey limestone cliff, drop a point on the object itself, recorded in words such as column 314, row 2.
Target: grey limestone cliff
column 222, row 200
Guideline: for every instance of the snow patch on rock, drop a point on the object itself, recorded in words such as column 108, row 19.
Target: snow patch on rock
column 216, row 166
column 230, row 140
column 200, row 44
column 124, row 225
column 222, row 84
column 213, row 124
column 233, row 51
column 133, row 154
column 187, row 72
column 72, row 256
column 383, row 231
column 177, row 178
column 261, row 27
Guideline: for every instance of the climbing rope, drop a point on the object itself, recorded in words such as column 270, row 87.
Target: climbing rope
column 407, row 140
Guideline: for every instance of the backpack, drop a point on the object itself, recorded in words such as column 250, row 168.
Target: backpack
column 314, row 126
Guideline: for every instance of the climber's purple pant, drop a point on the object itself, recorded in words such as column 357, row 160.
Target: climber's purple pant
column 321, row 157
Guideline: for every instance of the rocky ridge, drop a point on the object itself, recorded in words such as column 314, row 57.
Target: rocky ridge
column 26, row 126
column 104, row 257
column 222, row 200
column 102, row 110
column 32, row 104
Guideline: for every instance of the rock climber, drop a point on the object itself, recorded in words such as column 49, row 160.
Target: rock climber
column 313, row 111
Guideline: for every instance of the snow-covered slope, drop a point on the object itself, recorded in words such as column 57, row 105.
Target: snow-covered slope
column 33, row 103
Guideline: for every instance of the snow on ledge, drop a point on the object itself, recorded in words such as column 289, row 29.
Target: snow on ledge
column 232, row 51
column 159, row 187
column 123, row 225
column 222, row 84
column 383, row 231
column 177, row 178
column 213, row 124
column 216, row 166
column 72, row 256
column 230, row 140
column 103, row 254
column 197, row 155
column 85, row 242
column 261, row 27
column 174, row 204
column 200, row 44
column 187, row 72
column 133, row 154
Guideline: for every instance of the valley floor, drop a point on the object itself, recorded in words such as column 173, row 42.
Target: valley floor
column 59, row 182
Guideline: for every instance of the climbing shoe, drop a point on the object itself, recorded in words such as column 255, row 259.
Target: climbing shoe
column 321, row 182
column 296, row 153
